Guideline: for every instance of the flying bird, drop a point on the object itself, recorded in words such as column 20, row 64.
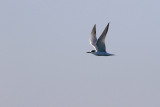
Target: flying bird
column 99, row 45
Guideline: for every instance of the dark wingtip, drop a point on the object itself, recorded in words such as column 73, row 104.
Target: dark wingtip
column 93, row 29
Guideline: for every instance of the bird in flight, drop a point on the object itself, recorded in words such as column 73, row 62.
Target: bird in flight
column 99, row 45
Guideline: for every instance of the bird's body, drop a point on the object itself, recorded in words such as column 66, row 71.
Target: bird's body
column 102, row 54
column 99, row 45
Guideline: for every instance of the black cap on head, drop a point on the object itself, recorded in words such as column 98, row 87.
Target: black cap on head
column 93, row 51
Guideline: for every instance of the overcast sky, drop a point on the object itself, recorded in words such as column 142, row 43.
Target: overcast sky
column 43, row 59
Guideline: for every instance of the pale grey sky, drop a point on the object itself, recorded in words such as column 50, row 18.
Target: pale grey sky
column 43, row 59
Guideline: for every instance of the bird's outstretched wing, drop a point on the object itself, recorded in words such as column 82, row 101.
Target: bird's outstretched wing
column 101, row 40
column 93, row 38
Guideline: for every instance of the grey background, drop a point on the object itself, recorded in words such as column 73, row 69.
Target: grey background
column 43, row 61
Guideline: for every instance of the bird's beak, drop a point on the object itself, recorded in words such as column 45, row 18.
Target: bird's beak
column 88, row 52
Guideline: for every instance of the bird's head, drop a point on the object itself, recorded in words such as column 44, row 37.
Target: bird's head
column 92, row 51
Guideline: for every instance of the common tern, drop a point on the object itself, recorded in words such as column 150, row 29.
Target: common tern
column 99, row 45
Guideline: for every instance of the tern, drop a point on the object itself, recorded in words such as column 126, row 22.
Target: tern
column 99, row 45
